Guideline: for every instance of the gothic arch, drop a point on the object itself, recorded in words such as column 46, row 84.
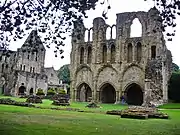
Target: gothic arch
column 139, row 52
column 108, row 32
column 113, row 53
column 89, row 56
column 82, row 55
column 81, row 67
column 131, row 65
column 136, row 24
column 107, row 93
column 133, row 94
column 129, row 53
column 84, row 92
column 105, row 66
column 104, row 53
column 113, row 29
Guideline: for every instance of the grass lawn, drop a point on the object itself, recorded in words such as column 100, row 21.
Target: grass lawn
column 27, row 121
column 16, row 120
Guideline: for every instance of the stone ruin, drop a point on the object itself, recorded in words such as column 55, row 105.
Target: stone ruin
column 61, row 100
column 34, row 99
column 106, row 69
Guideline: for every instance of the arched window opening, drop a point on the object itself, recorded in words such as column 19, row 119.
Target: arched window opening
column 2, row 70
column 82, row 55
column 24, row 67
column 153, row 52
column 130, row 56
column 108, row 33
column 21, row 67
column 114, row 32
column 90, row 35
column 33, row 69
column 89, row 55
column 104, row 59
column 7, row 66
column 113, row 53
column 30, row 69
column 136, row 28
column 139, row 51
column 86, row 36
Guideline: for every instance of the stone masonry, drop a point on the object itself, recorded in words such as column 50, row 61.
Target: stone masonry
column 22, row 72
column 137, row 68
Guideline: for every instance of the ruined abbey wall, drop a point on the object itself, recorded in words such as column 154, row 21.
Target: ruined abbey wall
column 134, row 67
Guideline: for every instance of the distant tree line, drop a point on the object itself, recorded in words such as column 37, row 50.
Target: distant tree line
column 174, row 85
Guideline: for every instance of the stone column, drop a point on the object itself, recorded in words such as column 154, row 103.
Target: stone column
column 117, row 97
column 165, row 85
column 75, row 95
column 108, row 55
column 147, row 91
column 134, row 52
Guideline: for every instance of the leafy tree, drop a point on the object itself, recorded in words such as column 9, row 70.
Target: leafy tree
column 174, row 87
column 175, row 67
column 54, row 18
column 64, row 74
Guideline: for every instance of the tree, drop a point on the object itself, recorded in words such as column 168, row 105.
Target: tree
column 175, row 67
column 174, row 85
column 64, row 74
column 54, row 18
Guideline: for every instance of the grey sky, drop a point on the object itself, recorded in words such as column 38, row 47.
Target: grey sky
column 117, row 6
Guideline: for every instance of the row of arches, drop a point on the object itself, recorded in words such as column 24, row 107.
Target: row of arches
column 22, row 90
column 135, row 31
column 138, row 52
column 112, row 53
column 133, row 94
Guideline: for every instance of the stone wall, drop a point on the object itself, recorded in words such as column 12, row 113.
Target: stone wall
column 121, row 63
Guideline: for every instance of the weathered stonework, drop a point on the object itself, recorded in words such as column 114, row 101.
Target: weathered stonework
column 23, row 71
column 134, row 67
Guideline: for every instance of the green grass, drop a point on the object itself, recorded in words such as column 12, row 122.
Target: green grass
column 78, row 105
column 170, row 106
column 27, row 121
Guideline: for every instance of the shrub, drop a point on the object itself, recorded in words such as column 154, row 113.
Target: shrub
column 51, row 91
column 62, row 91
column 40, row 92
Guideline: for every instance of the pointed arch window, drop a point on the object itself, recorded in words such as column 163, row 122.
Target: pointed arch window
column 113, row 53
column 136, row 28
column 89, row 55
column 130, row 56
column 81, row 55
column 139, row 52
column 104, row 57
column 153, row 52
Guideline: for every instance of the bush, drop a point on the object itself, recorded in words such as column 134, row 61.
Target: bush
column 51, row 92
column 40, row 92
column 62, row 91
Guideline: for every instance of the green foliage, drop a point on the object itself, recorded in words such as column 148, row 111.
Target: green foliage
column 62, row 91
column 64, row 74
column 175, row 67
column 174, row 87
column 51, row 91
column 40, row 92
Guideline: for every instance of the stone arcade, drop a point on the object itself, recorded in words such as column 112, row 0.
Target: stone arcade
column 136, row 67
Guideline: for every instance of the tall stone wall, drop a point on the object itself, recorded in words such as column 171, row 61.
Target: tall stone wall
column 119, row 64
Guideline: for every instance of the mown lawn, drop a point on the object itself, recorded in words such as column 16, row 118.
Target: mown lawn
column 32, row 121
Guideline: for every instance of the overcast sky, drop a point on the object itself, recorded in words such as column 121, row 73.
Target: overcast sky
column 117, row 6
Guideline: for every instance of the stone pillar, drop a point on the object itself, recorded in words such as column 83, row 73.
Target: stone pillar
column 147, row 91
column 75, row 95
column 108, row 55
column 165, row 85
column 117, row 97
column 134, row 52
